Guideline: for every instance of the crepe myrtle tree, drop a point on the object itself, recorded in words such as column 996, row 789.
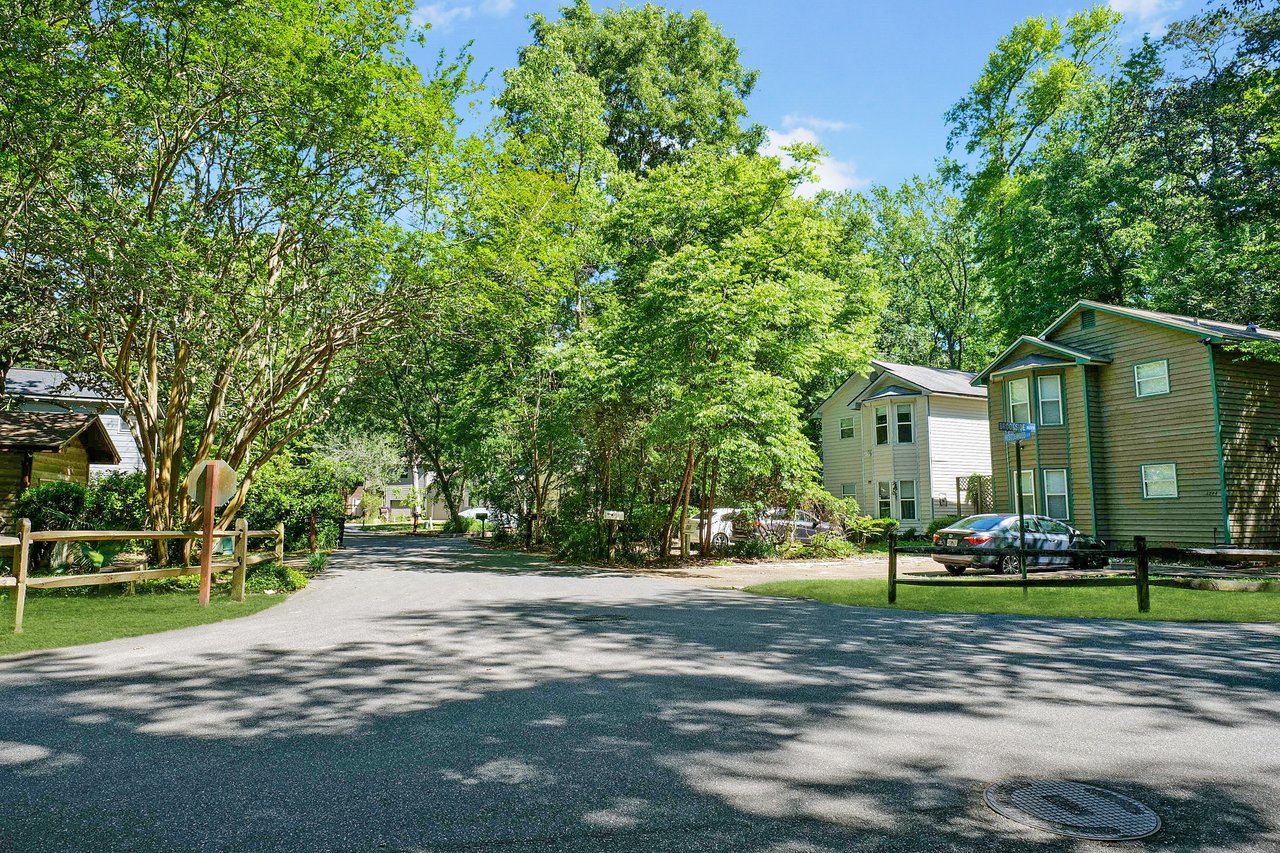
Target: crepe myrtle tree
column 254, row 202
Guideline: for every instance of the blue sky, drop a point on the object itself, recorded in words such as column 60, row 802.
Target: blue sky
column 868, row 80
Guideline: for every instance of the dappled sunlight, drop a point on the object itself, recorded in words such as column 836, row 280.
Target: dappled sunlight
column 592, row 706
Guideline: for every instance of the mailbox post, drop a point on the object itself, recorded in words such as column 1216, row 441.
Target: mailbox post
column 1016, row 432
column 612, row 517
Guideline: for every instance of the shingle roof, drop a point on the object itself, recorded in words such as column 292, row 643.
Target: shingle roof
column 934, row 379
column 1214, row 328
column 50, row 432
column 39, row 382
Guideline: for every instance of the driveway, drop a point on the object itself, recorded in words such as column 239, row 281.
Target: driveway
column 430, row 695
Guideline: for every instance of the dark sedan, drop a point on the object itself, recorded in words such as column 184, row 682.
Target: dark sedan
column 996, row 531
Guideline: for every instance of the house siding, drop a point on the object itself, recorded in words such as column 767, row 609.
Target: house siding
column 118, row 428
column 958, row 446
column 1249, row 405
column 842, row 457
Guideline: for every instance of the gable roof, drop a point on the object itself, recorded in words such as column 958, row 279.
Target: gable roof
column 1214, row 329
column 1076, row 356
column 51, row 432
column 42, row 383
column 935, row 380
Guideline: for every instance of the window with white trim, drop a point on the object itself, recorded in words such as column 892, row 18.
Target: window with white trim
column 906, row 424
column 1028, row 492
column 849, row 490
column 882, row 425
column 1049, row 389
column 884, row 503
column 1056, row 502
column 1020, row 400
column 1151, row 378
column 907, row 500
column 1160, row 480
column 846, row 427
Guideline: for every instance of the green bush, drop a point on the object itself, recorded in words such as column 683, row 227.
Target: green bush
column 117, row 501
column 910, row 533
column 53, row 506
column 755, row 548
column 461, row 525
column 317, row 561
column 289, row 488
column 939, row 523
column 273, row 576
column 826, row 546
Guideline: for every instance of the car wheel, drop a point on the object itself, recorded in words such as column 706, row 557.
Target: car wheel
column 1008, row 565
column 955, row 571
column 720, row 541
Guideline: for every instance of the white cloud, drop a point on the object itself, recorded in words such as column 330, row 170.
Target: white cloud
column 442, row 16
column 794, row 120
column 829, row 173
column 1146, row 11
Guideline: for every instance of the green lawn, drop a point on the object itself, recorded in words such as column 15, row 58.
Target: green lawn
column 1167, row 603
column 70, row 620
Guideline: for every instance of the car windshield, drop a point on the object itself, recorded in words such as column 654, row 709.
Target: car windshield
column 979, row 522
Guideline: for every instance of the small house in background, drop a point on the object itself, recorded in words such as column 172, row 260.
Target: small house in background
column 41, row 447
column 904, row 440
column 41, row 390
column 1148, row 424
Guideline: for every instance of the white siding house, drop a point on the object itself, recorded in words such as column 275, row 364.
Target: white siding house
column 898, row 438
column 38, row 390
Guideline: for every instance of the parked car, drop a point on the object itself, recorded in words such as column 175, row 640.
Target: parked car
column 721, row 522
column 778, row 524
column 995, row 531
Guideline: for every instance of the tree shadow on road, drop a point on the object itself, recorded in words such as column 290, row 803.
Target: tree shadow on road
column 680, row 720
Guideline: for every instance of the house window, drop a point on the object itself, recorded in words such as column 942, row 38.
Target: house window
column 884, row 505
column 849, row 490
column 1020, row 400
column 882, row 425
column 907, row 500
column 1160, row 480
column 846, row 427
column 906, row 424
column 1028, row 492
column 1050, row 390
column 1056, row 502
column 1151, row 378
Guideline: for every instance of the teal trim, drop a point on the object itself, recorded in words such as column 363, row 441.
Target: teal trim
column 1076, row 355
column 1222, row 459
column 1120, row 311
column 1088, row 449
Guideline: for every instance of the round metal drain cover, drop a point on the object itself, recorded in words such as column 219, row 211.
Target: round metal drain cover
column 1072, row 808
column 600, row 617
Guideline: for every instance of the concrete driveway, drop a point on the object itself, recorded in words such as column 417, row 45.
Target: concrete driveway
column 430, row 695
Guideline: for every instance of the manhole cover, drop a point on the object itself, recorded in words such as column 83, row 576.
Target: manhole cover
column 1072, row 808
column 600, row 617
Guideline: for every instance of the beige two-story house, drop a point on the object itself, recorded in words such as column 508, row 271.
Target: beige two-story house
column 903, row 440
column 1148, row 424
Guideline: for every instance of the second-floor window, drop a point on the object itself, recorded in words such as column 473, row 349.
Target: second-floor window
column 1151, row 378
column 882, row 425
column 1020, row 400
column 1050, row 390
column 846, row 427
column 906, row 424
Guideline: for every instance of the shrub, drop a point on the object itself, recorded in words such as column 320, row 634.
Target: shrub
column 755, row 548
column 460, row 525
column 273, row 576
column 882, row 527
column 826, row 546
column 910, row 533
column 53, row 506
column 317, row 561
column 289, row 489
column 117, row 501
column 939, row 523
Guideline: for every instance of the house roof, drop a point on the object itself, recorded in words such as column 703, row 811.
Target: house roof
column 1211, row 328
column 1073, row 355
column 893, row 391
column 51, row 384
column 935, row 380
column 50, row 432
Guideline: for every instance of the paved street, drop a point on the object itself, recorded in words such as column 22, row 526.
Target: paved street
column 431, row 695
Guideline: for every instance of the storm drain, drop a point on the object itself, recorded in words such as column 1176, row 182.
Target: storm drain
column 600, row 617
column 1073, row 809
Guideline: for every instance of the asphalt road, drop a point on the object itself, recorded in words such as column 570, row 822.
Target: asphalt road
column 435, row 696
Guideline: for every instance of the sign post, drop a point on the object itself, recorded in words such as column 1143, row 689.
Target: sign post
column 612, row 517
column 211, row 483
column 1016, row 432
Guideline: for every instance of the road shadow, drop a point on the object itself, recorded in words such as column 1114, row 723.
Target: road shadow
column 671, row 720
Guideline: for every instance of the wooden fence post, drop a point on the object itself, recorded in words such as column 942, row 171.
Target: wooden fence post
column 893, row 566
column 280, row 542
column 242, row 560
column 1141, row 566
column 21, row 558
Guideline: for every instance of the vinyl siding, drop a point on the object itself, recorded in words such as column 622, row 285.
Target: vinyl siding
column 1249, row 401
column 1177, row 427
column 958, row 446
column 842, row 457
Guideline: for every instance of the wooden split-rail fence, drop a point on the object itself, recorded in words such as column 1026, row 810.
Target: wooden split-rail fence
column 21, row 580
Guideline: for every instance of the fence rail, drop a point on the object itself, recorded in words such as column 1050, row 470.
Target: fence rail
column 238, row 565
column 1140, row 554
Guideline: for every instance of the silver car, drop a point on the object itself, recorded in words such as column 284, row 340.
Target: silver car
column 997, row 531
